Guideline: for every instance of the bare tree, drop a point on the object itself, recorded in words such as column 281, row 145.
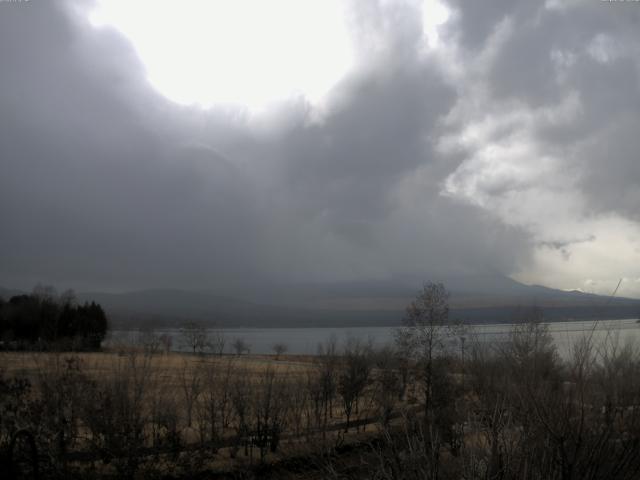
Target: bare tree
column 166, row 341
column 150, row 341
column 217, row 341
column 215, row 401
column 426, row 325
column 353, row 377
column 388, row 382
column 298, row 402
column 315, row 393
column 279, row 349
column 164, row 419
column 240, row 346
column 269, row 411
column 61, row 383
column 115, row 413
column 241, row 394
column 191, row 385
column 195, row 337
column 327, row 364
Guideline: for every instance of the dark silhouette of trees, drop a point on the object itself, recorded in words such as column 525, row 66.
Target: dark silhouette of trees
column 42, row 318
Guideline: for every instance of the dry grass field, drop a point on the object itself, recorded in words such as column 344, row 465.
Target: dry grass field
column 170, row 366
column 215, row 412
column 518, row 411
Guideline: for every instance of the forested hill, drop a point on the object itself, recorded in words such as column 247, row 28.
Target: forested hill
column 473, row 299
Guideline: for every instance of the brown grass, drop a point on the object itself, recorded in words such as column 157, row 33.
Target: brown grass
column 32, row 364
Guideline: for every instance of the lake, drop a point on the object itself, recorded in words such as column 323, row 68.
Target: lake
column 306, row 340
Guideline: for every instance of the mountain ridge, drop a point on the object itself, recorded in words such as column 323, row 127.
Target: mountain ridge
column 482, row 299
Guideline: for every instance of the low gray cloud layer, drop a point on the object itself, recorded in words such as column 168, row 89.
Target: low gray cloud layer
column 517, row 134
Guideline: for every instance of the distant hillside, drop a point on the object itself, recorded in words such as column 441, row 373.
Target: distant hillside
column 486, row 299
column 469, row 292
column 473, row 299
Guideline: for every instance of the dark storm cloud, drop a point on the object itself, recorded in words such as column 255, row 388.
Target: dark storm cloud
column 105, row 184
column 590, row 50
column 364, row 147
column 476, row 21
column 555, row 95
column 99, row 185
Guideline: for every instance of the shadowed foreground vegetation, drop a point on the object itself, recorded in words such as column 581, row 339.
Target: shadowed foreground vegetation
column 424, row 409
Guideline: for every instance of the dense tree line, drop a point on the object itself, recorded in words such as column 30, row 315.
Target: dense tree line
column 44, row 319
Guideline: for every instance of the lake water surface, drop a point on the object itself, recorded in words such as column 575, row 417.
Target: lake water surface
column 306, row 340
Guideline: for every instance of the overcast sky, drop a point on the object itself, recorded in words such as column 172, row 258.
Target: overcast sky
column 184, row 144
